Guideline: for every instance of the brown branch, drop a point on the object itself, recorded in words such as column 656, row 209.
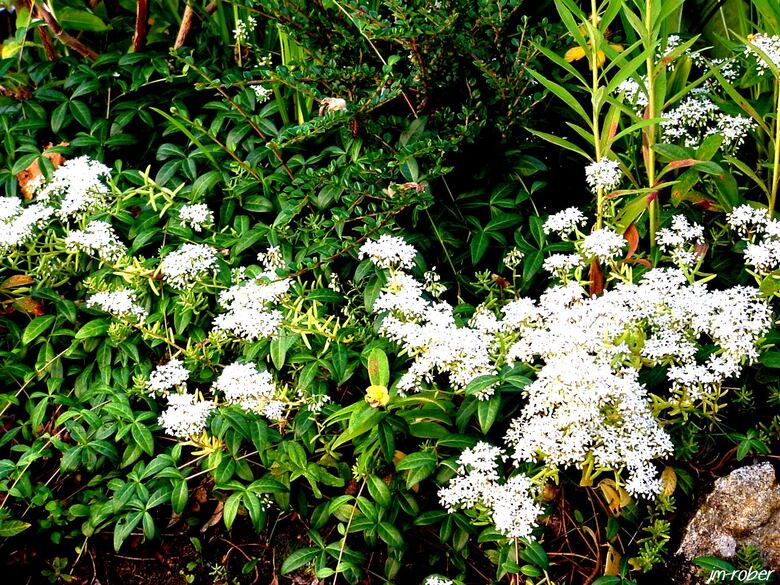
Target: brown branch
column 62, row 36
column 48, row 45
column 184, row 29
column 141, row 24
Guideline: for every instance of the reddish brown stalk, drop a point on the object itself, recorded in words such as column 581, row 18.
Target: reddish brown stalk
column 184, row 29
column 141, row 24
column 62, row 36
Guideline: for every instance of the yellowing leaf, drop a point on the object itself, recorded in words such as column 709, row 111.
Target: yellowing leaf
column 668, row 481
column 616, row 497
column 612, row 563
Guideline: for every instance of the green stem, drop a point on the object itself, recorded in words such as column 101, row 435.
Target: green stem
column 776, row 161
column 594, row 71
column 651, row 113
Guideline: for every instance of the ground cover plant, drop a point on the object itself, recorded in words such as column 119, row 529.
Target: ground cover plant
column 420, row 292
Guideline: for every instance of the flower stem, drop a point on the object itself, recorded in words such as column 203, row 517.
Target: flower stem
column 650, row 131
column 594, row 70
column 776, row 162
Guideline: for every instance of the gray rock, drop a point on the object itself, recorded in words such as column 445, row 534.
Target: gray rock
column 743, row 509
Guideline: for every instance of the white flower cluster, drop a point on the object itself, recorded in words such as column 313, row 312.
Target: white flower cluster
column 262, row 93
column 244, row 29
column 389, row 252
column 120, row 303
column 564, row 222
column 428, row 333
column 604, row 174
column 698, row 117
column 586, row 403
column 437, row 580
column 170, row 376
column 603, row 244
column 634, row 93
column 98, row 239
column 560, row 265
column 769, row 46
column 763, row 236
column 251, row 389
column 510, row 504
column 579, row 408
column 682, row 241
column 18, row 224
column 78, row 186
column 249, row 312
column 186, row 415
column 513, row 258
column 189, row 264
column 196, row 215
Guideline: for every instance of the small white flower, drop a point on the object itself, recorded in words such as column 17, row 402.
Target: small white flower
column 98, row 239
column 185, row 416
column 120, row 303
column 603, row 244
column 437, row 580
column 188, row 265
column 510, row 504
column 681, row 240
column 77, row 188
column 513, row 258
column 564, row 222
column 561, row 264
column 604, row 174
column 251, row 389
column 745, row 219
column 271, row 259
column 262, row 93
column 244, row 30
column 770, row 46
column 19, row 224
column 389, row 252
column 249, row 312
column 196, row 215
column 172, row 375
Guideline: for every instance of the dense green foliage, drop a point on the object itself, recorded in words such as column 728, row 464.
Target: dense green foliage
column 310, row 130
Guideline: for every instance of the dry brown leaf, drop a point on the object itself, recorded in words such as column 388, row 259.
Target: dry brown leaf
column 32, row 172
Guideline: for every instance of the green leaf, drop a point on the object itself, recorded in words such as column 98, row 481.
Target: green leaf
column 94, row 328
column 12, row 527
column 205, row 183
column 142, row 437
column 563, row 94
column 562, row 142
column 36, row 327
column 480, row 383
column 179, row 496
column 378, row 368
column 379, row 491
column 713, row 564
column 535, row 554
column 58, row 117
column 487, row 411
column 770, row 359
column 231, row 509
column 419, row 466
column 479, row 245
column 298, row 559
column 390, row 535
column 361, row 421
column 73, row 19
